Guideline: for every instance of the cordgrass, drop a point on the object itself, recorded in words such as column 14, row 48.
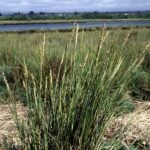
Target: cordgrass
column 72, row 82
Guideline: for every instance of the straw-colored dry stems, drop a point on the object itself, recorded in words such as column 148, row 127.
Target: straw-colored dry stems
column 127, row 38
column 42, row 55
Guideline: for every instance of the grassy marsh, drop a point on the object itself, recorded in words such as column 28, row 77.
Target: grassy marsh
column 72, row 83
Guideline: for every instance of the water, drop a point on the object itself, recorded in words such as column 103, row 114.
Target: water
column 52, row 26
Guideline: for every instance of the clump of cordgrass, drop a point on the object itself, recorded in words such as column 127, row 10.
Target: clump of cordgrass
column 73, row 114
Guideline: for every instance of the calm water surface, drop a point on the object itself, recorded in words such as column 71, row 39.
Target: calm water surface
column 52, row 26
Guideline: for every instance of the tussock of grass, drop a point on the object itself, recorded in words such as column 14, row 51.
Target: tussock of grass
column 72, row 97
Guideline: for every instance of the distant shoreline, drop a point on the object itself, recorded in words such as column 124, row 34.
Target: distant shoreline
column 16, row 22
column 70, row 30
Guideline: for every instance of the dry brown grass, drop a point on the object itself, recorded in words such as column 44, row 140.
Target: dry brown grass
column 136, row 125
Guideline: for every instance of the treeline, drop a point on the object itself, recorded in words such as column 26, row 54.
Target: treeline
column 76, row 15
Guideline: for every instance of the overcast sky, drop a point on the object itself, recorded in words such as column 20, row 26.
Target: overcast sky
column 72, row 5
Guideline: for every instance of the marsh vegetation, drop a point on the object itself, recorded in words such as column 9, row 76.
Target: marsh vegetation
column 72, row 84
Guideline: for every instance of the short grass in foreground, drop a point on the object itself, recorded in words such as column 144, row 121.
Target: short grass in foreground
column 72, row 83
